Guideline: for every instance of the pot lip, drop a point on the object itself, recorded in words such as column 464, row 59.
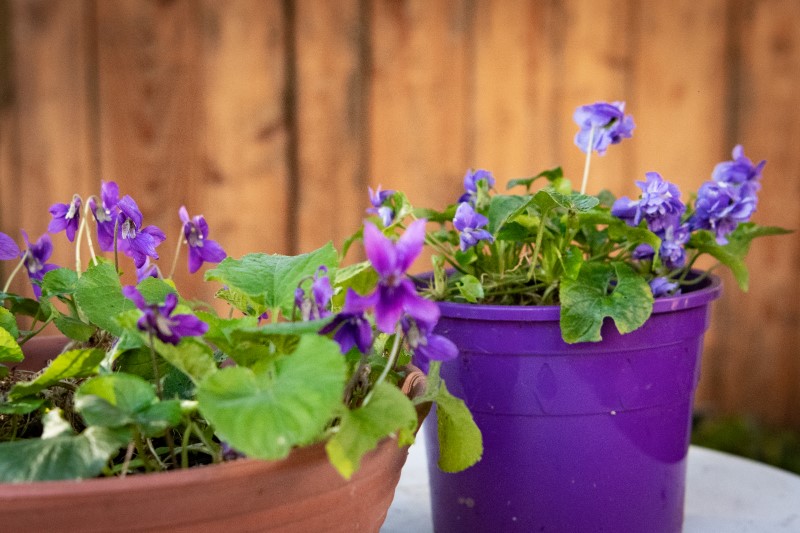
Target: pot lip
column 711, row 289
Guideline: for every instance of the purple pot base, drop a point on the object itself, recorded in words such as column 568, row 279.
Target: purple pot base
column 586, row 437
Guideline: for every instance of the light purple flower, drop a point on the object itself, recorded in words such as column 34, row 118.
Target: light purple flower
column 426, row 345
column 159, row 320
column 471, row 182
column 66, row 217
column 36, row 260
column 740, row 170
column 469, row 223
column 395, row 293
column 105, row 214
column 378, row 198
column 316, row 306
column 351, row 326
column 147, row 270
column 8, row 248
column 659, row 205
column 201, row 248
column 661, row 286
column 721, row 206
column 672, row 251
column 609, row 122
column 134, row 241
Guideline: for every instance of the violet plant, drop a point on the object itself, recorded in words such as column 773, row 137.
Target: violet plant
column 597, row 257
column 308, row 351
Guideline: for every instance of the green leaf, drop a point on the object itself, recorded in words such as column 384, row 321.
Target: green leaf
column 360, row 277
column 61, row 457
column 74, row 328
column 602, row 291
column 460, row 440
column 549, row 198
column 269, row 281
column 59, row 282
column 3, row 373
column 502, row 208
column 470, row 288
column 8, row 322
column 551, row 175
column 10, row 352
column 23, row 406
column 99, row 295
column 114, row 400
column 360, row 430
column 68, row 365
column 191, row 356
column 265, row 414
column 155, row 290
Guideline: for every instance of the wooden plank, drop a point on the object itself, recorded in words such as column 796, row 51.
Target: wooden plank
column 47, row 126
column 244, row 185
column 332, row 104
column 418, row 113
column 759, row 346
column 514, row 78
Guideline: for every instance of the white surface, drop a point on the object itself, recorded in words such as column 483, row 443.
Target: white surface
column 724, row 494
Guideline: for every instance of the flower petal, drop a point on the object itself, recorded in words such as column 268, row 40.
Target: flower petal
column 409, row 245
column 380, row 250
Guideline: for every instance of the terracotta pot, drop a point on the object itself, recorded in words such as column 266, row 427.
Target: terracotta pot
column 302, row 493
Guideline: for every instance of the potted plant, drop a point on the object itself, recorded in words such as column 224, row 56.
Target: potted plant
column 579, row 323
column 289, row 410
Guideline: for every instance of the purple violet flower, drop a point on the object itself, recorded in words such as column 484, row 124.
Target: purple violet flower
column 721, row 206
column 378, row 198
column 471, row 179
column 469, row 223
column 659, row 205
column 135, row 241
column 661, row 286
column 740, row 170
column 147, row 270
column 351, row 325
column 66, row 217
column 672, row 251
column 158, row 320
column 395, row 293
column 316, row 306
column 201, row 248
column 36, row 260
column 426, row 345
column 8, row 248
column 609, row 122
column 105, row 214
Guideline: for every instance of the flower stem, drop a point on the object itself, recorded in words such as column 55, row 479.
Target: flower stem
column 128, row 456
column 16, row 269
column 398, row 335
column 588, row 161
column 156, row 373
column 116, row 246
column 175, row 259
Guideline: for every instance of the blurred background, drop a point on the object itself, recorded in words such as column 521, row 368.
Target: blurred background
column 271, row 118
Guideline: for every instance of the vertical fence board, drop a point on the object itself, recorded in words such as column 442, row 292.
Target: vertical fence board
column 245, row 179
column 51, row 154
column 332, row 100
column 759, row 354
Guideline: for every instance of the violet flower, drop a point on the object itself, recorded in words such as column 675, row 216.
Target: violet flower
column 147, row 270
column 661, row 286
column 672, row 251
column 8, row 248
column 721, row 206
column 740, row 170
column 351, row 326
column 158, row 320
column 395, row 293
column 201, row 248
column 659, row 205
column 316, row 306
column 471, row 179
column 426, row 345
column 105, row 214
column 66, row 217
column 606, row 123
column 378, row 198
column 134, row 241
column 469, row 223
column 36, row 260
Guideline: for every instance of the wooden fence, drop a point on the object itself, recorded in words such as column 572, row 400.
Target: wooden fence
column 272, row 117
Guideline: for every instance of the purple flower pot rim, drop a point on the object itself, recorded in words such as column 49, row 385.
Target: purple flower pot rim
column 710, row 289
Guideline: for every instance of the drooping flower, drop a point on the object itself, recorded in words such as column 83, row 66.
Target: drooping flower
column 721, row 206
column 8, row 248
column 378, row 200
column 606, row 124
column 201, row 248
column 351, row 326
column 472, row 180
column 105, row 214
column 468, row 222
column 672, row 251
column 426, row 345
column 661, row 286
column 740, row 170
column 659, row 205
column 395, row 293
column 147, row 270
column 315, row 306
column 36, row 260
column 159, row 320
column 66, row 217
column 134, row 241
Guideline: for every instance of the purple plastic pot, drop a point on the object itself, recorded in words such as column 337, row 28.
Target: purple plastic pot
column 581, row 437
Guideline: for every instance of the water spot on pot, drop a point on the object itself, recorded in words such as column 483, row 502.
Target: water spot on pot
column 546, row 384
column 613, row 413
column 467, row 502
column 281, row 440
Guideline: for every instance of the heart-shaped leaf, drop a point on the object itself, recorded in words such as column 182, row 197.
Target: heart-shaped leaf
column 68, row 365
